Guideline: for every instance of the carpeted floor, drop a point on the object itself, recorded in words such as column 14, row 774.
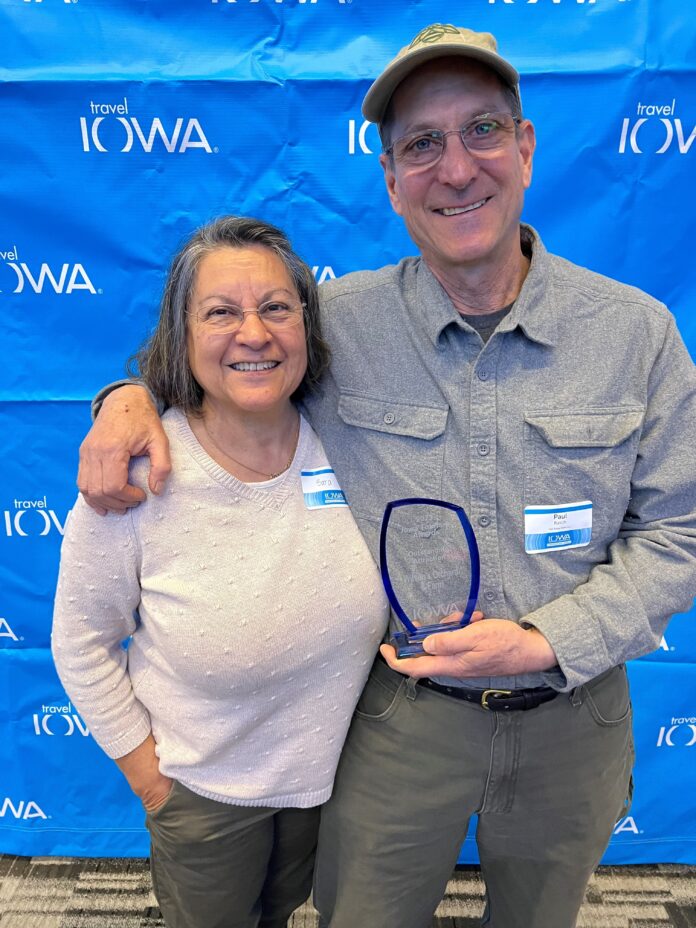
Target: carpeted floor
column 61, row 892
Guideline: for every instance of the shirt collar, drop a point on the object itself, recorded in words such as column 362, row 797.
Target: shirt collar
column 534, row 311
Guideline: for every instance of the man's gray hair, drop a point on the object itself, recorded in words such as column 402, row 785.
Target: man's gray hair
column 162, row 361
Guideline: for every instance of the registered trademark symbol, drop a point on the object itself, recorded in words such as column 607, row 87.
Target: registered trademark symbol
column 100, row 289
column 21, row 637
column 672, row 648
column 216, row 149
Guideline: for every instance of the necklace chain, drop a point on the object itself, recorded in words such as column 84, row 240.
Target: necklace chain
column 253, row 469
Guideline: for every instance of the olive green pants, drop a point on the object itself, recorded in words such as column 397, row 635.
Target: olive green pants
column 216, row 865
column 548, row 785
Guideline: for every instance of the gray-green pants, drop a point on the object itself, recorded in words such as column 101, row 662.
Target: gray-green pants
column 216, row 865
column 548, row 785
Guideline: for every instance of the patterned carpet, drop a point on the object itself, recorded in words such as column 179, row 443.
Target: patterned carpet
column 61, row 892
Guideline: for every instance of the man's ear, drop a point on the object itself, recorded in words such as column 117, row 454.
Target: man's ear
column 526, row 143
column 390, row 181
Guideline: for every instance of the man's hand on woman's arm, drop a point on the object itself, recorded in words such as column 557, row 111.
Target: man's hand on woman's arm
column 127, row 426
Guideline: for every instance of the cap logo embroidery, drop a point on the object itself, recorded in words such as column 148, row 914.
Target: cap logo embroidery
column 433, row 33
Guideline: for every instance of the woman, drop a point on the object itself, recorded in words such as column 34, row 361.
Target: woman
column 252, row 605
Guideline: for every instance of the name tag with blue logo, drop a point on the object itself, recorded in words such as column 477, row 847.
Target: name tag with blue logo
column 320, row 488
column 556, row 528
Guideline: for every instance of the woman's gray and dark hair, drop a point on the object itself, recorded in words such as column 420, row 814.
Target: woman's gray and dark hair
column 162, row 361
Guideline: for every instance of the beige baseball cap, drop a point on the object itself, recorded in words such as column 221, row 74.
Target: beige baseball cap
column 439, row 40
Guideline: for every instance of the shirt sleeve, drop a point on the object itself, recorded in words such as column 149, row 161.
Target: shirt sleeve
column 110, row 387
column 94, row 614
column 622, row 609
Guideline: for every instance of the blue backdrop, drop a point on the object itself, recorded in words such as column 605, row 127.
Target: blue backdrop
column 126, row 124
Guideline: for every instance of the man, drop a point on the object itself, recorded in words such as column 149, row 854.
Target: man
column 559, row 408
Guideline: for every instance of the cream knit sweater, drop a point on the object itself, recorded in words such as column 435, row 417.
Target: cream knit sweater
column 252, row 620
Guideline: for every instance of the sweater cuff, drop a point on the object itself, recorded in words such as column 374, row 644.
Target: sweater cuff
column 127, row 741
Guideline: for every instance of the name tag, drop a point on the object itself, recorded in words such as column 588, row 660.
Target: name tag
column 320, row 488
column 556, row 528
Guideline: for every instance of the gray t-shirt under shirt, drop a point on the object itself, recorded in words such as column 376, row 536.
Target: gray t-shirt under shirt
column 486, row 323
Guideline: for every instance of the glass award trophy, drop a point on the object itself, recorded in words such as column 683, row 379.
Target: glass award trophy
column 428, row 551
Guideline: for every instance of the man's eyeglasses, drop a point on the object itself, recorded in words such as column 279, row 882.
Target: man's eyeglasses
column 227, row 318
column 483, row 135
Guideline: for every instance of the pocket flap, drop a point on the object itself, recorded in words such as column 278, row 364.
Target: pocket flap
column 383, row 415
column 587, row 428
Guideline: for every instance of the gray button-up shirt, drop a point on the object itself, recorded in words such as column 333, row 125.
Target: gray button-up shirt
column 585, row 392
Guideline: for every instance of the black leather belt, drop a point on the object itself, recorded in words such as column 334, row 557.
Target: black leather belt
column 497, row 700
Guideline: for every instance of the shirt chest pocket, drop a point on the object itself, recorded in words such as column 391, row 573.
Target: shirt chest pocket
column 394, row 450
column 582, row 454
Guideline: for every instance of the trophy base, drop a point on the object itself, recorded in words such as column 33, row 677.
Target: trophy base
column 406, row 646
column 411, row 645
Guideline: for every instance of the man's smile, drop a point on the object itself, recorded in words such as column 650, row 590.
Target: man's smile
column 457, row 210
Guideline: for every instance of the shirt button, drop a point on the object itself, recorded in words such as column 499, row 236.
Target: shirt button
column 483, row 448
column 484, row 521
column 489, row 596
column 389, row 417
column 484, row 374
